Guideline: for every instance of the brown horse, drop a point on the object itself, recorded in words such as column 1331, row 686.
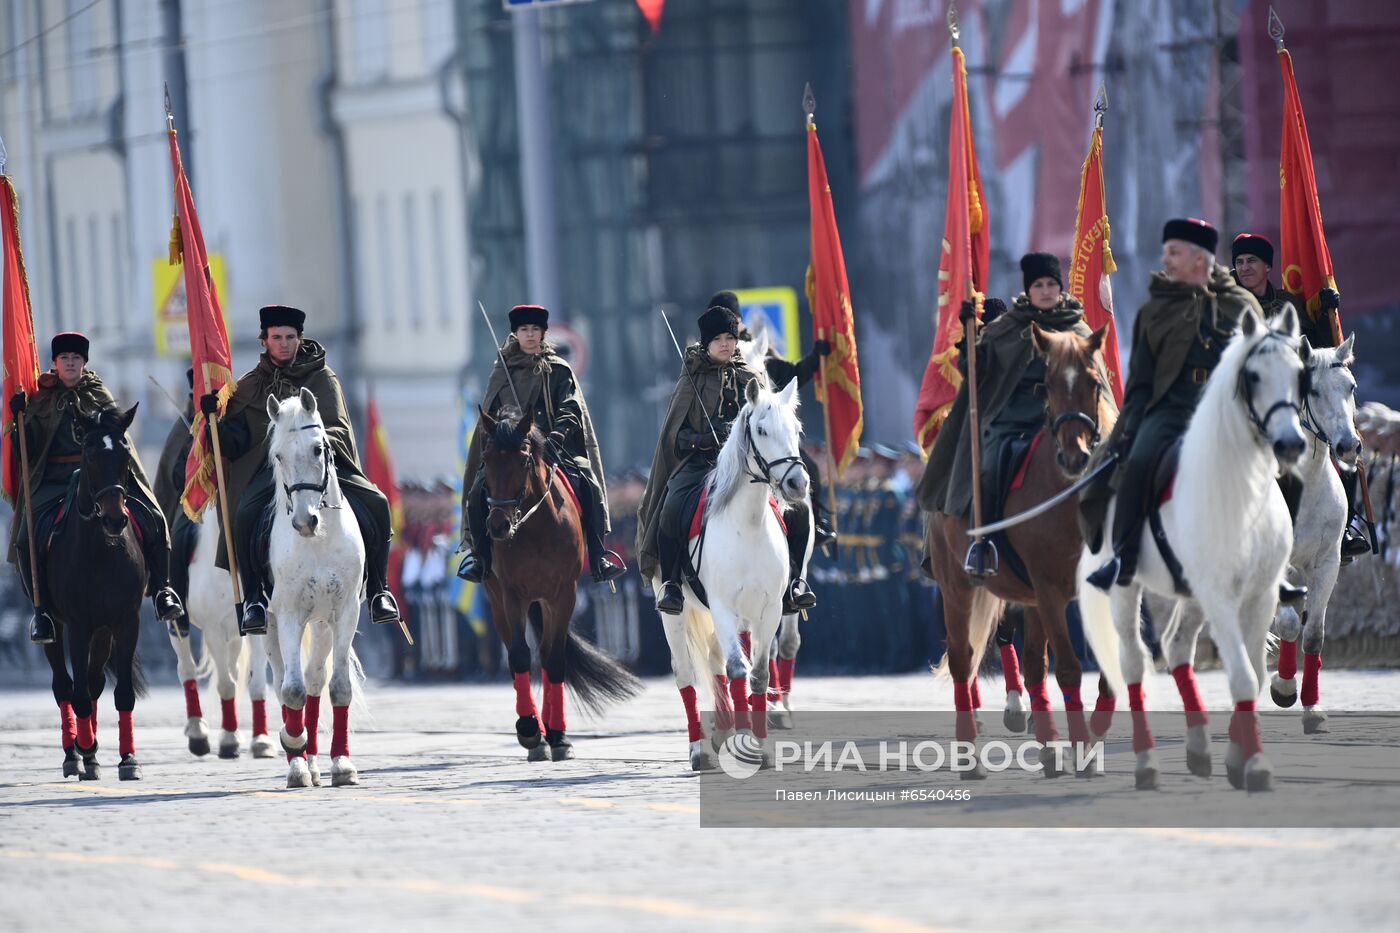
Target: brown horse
column 1079, row 411
column 538, row 557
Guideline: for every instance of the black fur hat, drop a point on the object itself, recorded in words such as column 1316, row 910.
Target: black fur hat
column 717, row 320
column 1192, row 230
column 70, row 342
column 1252, row 244
column 1040, row 265
column 281, row 316
column 522, row 315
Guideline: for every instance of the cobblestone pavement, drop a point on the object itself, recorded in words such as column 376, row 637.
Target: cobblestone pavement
column 450, row 826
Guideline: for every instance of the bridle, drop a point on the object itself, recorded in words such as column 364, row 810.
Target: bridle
column 1077, row 416
column 1306, row 418
column 766, row 467
column 1246, row 388
column 327, row 456
column 94, row 514
column 519, row 518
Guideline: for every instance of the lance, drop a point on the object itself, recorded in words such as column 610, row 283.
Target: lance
column 693, row 388
column 179, row 411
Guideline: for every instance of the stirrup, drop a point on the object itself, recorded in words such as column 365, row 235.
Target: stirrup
column 1290, row 595
column 253, row 620
column 798, row 598
column 167, row 605
column 609, row 567
column 671, row 600
column 472, row 568
column 41, row 628
column 383, row 608
column 982, row 561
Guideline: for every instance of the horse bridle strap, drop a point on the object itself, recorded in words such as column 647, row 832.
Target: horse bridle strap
column 320, row 487
column 1306, row 418
column 117, row 488
column 765, row 467
column 1242, row 386
column 521, row 518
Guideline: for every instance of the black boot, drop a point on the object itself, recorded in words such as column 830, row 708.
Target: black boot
column 798, row 596
column 184, row 535
column 670, row 599
column 602, row 563
column 253, row 612
column 383, row 609
column 41, row 628
column 476, row 563
column 1290, row 595
column 1355, row 542
column 157, row 553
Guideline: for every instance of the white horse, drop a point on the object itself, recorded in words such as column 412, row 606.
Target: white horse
column 1229, row 527
column 223, row 653
column 743, row 568
column 318, row 562
column 1329, row 416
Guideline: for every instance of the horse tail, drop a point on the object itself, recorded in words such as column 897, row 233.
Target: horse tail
column 1096, row 618
column 138, row 673
column 596, row 678
column 982, row 618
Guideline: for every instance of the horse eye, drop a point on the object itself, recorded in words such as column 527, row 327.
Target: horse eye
column 1252, row 376
column 319, row 450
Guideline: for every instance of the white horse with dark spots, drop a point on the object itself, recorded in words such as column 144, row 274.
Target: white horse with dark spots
column 317, row 561
column 1329, row 418
column 224, row 655
column 1228, row 525
column 742, row 564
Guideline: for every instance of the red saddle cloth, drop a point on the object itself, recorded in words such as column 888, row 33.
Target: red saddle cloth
column 570, row 488
column 1020, row 476
column 697, row 522
column 63, row 508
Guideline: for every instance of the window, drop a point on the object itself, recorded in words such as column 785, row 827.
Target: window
column 385, row 265
column 440, row 275
column 412, row 252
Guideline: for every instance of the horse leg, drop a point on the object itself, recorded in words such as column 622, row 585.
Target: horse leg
column 736, row 665
column 292, row 692
column 554, row 644
column 1314, row 632
column 85, row 711
column 1239, row 636
column 960, row 603
column 343, row 771
column 1037, row 673
column 63, row 696
column 789, row 641
column 124, row 658
column 196, row 729
column 715, row 660
column 256, row 652
column 226, row 658
column 322, row 643
column 510, row 625
column 1133, row 656
column 683, row 666
column 1013, row 716
column 1069, row 675
column 1179, row 646
column 1288, row 625
column 764, row 630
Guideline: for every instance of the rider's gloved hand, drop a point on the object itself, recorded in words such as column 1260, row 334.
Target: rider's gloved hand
column 209, row 404
column 821, row 347
column 705, row 442
column 18, row 403
column 1329, row 300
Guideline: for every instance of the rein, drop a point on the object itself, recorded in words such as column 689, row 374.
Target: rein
column 520, row 518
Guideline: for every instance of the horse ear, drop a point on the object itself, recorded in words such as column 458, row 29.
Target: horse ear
column 1305, row 348
column 527, row 421
column 273, row 407
column 1346, row 352
column 752, row 390
column 1097, row 338
column 308, row 400
column 788, row 398
column 1288, row 321
column 129, row 417
column 1249, row 324
column 486, row 420
column 1038, row 339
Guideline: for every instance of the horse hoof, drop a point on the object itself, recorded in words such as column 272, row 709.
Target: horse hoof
column 314, row 769
column 129, row 769
column 1235, row 773
column 527, row 730
column 70, row 763
column 199, row 745
column 92, row 771
column 1258, row 774
column 1146, row 778
column 564, row 751
column 263, row 747
column 343, row 772
column 1314, row 721
column 975, row 773
column 1283, row 698
column 537, row 752
column 1048, row 764
column 1198, row 763
column 780, row 719
column 297, row 773
column 719, row 737
column 1015, row 720
column 702, row 757
column 229, row 746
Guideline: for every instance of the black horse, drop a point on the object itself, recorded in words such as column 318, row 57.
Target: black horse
column 95, row 579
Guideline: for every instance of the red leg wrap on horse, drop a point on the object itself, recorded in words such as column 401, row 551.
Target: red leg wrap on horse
column 785, row 671
column 1312, row 664
column 1142, row 733
column 1191, row 701
column 976, row 692
column 524, row 698
column 313, row 725
column 293, row 721
column 127, row 733
column 68, row 727
column 1011, row 669
column 1103, row 714
column 692, row 714
column 192, row 708
column 739, row 696
column 758, row 714
column 724, row 709
column 259, row 717
column 1244, row 729
column 1287, row 659
column 229, row 714
column 746, row 642
column 92, row 720
column 966, row 728
column 340, row 731
column 775, row 683
column 1074, row 713
column 553, row 705
column 1041, row 716
column 86, row 734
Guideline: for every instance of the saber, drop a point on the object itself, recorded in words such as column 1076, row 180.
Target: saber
column 677, row 344
column 173, row 404
column 501, row 356
column 1048, row 504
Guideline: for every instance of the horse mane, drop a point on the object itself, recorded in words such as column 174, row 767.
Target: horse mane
column 729, row 467
column 508, row 437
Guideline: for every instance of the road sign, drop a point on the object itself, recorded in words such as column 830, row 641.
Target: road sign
column 572, row 345
column 773, row 310
column 172, row 321
column 513, row 5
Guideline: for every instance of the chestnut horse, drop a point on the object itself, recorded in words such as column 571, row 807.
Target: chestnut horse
column 537, row 559
column 1079, row 411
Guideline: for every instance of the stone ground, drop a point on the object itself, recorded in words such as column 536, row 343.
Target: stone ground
column 451, row 825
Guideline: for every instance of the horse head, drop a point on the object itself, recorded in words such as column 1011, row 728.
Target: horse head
column 771, row 440
column 1074, row 394
column 106, row 457
column 1329, row 398
column 302, row 460
column 509, row 456
column 1270, row 363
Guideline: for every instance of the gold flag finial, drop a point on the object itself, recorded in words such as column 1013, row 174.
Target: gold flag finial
column 1275, row 28
column 1100, row 105
column 809, row 102
column 169, row 111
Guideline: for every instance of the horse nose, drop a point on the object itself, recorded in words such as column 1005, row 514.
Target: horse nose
column 1347, row 449
column 797, row 485
column 1288, row 450
column 306, row 526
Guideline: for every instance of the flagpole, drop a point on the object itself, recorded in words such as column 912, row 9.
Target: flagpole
column 28, row 513
column 809, row 106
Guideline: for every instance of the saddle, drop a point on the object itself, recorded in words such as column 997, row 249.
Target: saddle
column 694, row 506
column 59, row 517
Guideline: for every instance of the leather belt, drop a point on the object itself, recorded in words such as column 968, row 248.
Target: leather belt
column 1199, row 375
column 66, row 458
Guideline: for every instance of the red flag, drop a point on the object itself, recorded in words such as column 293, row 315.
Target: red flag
column 21, row 358
column 379, row 469
column 829, row 297
column 651, row 9
column 1092, row 261
column 1307, row 265
column 209, row 348
column 963, row 265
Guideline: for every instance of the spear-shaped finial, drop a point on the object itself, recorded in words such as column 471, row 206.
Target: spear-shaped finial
column 1275, row 28
column 953, row 21
column 809, row 102
column 1100, row 105
column 169, row 111
column 4, row 156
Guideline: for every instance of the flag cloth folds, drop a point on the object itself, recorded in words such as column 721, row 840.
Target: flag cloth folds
column 21, row 358
column 1092, row 261
column 1307, row 265
column 379, row 469
column 209, row 348
column 962, row 266
column 829, row 297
